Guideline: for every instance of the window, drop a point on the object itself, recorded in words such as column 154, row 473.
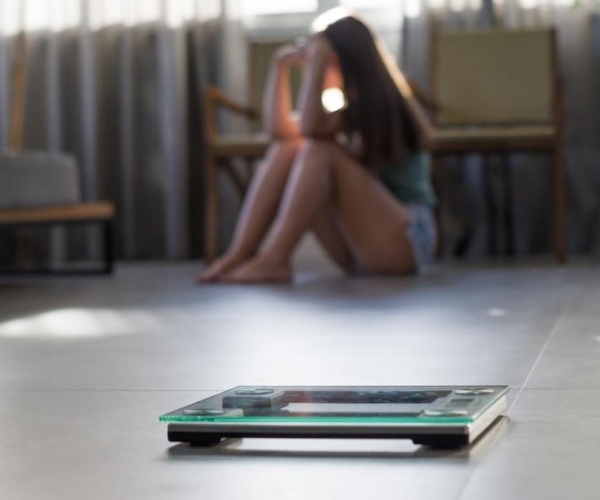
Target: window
column 366, row 4
column 277, row 18
column 264, row 7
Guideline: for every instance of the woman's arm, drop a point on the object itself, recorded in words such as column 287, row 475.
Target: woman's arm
column 315, row 121
column 278, row 111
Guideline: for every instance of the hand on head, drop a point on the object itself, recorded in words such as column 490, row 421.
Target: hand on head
column 314, row 48
column 291, row 54
column 318, row 47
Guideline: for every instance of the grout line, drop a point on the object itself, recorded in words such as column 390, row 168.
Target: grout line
column 523, row 385
column 539, row 356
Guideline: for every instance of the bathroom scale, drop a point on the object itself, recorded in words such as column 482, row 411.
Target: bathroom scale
column 442, row 416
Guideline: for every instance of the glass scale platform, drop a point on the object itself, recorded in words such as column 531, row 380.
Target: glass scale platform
column 437, row 416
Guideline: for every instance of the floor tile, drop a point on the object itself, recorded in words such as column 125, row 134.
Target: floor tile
column 99, row 445
column 571, row 358
column 87, row 365
column 550, row 450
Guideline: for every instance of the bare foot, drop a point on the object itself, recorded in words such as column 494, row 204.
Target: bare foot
column 219, row 268
column 260, row 270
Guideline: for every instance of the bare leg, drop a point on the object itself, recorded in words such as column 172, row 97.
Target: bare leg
column 374, row 224
column 258, row 209
column 332, row 239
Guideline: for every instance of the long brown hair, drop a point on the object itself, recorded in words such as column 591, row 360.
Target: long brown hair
column 376, row 108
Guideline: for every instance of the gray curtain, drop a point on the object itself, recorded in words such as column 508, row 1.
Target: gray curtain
column 466, row 192
column 123, row 99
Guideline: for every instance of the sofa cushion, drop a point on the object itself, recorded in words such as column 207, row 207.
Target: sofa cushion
column 38, row 178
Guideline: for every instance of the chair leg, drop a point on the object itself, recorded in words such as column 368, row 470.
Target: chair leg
column 109, row 246
column 211, row 211
column 560, row 244
column 491, row 206
column 509, row 223
column 236, row 179
column 435, row 164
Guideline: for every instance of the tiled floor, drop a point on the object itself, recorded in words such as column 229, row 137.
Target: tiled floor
column 88, row 364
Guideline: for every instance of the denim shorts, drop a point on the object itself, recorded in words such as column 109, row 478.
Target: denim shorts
column 422, row 234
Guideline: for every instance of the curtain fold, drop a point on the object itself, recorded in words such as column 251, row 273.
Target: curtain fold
column 123, row 98
column 118, row 97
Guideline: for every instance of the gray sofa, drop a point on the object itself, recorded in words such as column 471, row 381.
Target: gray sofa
column 33, row 178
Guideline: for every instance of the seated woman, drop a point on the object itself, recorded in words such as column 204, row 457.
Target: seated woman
column 356, row 176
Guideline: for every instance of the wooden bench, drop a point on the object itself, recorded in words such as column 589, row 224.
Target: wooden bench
column 79, row 213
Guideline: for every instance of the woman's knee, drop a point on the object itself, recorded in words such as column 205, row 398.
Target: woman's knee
column 281, row 153
column 284, row 146
column 319, row 149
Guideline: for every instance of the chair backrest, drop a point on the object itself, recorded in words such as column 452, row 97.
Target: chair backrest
column 494, row 77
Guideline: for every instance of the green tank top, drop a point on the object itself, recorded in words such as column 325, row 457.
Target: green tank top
column 410, row 182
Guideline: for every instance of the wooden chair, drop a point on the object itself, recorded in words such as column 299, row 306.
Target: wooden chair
column 27, row 199
column 101, row 213
column 500, row 91
column 221, row 152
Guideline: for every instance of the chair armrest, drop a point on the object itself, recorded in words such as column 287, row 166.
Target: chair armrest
column 212, row 99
